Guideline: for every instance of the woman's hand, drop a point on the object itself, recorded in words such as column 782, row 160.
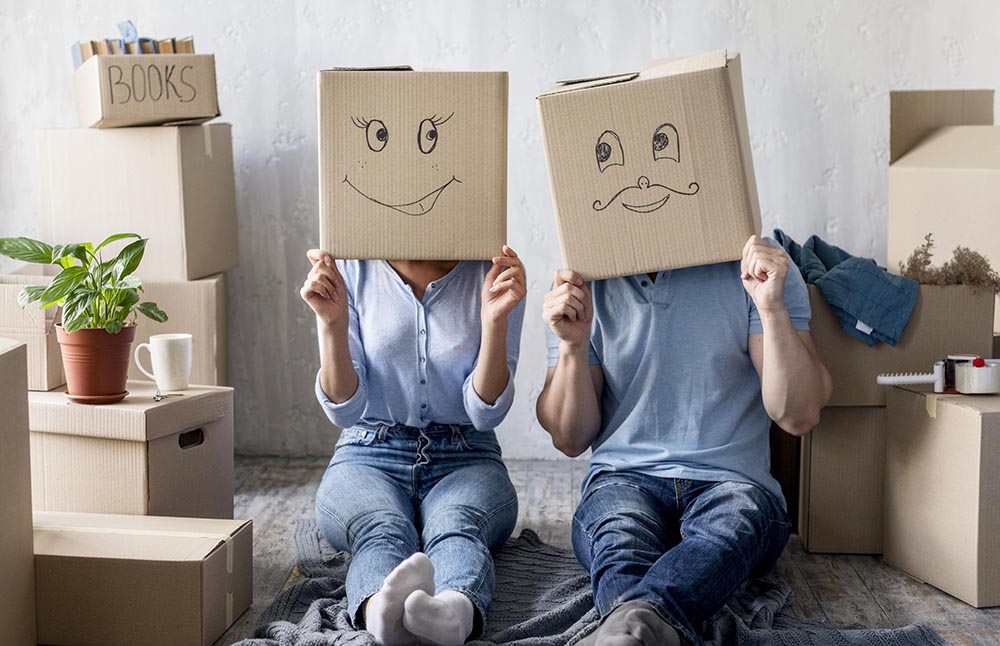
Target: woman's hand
column 324, row 289
column 504, row 288
column 569, row 308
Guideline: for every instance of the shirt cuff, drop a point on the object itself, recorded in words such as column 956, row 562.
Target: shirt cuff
column 344, row 414
column 486, row 417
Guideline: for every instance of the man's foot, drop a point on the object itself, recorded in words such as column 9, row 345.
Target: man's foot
column 443, row 620
column 384, row 610
column 634, row 623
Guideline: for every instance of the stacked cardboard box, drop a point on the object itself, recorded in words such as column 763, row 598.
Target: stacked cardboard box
column 33, row 327
column 842, row 460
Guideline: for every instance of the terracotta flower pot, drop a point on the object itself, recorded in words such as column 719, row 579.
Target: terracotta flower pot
column 96, row 363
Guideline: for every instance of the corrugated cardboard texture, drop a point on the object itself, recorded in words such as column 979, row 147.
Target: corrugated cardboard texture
column 914, row 114
column 146, row 90
column 412, row 165
column 34, row 327
column 168, row 458
column 942, row 491
column 173, row 184
column 108, row 579
column 196, row 307
column 945, row 320
column 841, row 488
column 651, row 173
column 17, row 594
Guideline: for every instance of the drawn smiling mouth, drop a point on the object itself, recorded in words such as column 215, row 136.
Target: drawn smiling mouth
column 416, row 207
column 650, row 197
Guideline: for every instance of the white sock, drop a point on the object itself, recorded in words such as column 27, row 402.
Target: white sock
column 444, row 620
column 384, row 610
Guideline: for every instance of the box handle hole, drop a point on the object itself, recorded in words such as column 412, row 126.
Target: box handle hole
column 191, row 439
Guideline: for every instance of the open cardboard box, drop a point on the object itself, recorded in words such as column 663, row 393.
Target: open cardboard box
column 146, row 90
column 17, row 594
column 412, row 164
column 651, row 170
column 34, row 327
column 125, row 580
column 174, row 185
column 139, row 456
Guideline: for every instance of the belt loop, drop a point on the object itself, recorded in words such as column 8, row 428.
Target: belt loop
column 381, row 432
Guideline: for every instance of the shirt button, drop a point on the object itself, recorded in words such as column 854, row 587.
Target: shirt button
column 423, row 382
column 431, row 285
column 423, row 405
column 644, row 283
column 423, row 331
column 421, row 359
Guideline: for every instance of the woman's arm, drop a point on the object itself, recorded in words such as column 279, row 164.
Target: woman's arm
column 504, row 288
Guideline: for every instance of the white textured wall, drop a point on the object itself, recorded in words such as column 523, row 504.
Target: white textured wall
column 817, row 74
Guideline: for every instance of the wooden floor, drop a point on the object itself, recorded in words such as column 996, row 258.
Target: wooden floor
column 841, row 589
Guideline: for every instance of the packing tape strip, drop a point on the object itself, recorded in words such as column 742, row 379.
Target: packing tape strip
column 931, row 404
column 207, row 134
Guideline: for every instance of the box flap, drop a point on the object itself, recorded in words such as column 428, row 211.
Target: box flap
column 385, row 68
column 914, row 114
column 984, row 404
column 32, row 318
column 956, row 147
column 141, row 538
column 138, row 418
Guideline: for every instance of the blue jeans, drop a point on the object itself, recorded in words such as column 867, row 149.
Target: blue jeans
column 683, row 546
column 391, row 491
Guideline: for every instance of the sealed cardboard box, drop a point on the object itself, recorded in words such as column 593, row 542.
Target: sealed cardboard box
column 197, row 307
column 944, row 161
column 942, row 491
column 840, row 494
column 172, row 184
column 412, row 164
column 124, row 580
column 17, row 595
column 35, row 328
column 946, row 320
column 146, row 90
column 172, row 457
column 652, row 169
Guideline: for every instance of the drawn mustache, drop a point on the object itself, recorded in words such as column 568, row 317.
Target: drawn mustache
column 693, row 188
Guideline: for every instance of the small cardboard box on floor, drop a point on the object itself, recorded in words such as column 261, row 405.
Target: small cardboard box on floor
column 174, row 185
column 17, row 594
column 412, row 164
column 944, row 173
column 652, row 169
column 34, row 327
column 168, row 458
column 146, row 90
column 125, row 580
column 942, row 491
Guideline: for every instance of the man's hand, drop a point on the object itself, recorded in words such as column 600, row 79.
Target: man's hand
column 569, row 308
column 763, row 269
column 324, row 289
column 504, row 288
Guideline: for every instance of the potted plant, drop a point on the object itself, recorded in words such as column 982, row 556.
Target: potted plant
column 99, row 300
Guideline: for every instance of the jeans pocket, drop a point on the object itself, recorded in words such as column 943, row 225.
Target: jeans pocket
column 358, row 436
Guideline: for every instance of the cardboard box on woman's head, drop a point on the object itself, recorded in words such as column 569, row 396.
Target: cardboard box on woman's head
column 651, row 170
column 412, row 164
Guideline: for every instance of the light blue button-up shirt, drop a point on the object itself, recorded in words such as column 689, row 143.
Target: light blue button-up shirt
column 415, row 358
column 681, row 396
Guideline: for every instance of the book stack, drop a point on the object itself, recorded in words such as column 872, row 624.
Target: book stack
column 124, row 492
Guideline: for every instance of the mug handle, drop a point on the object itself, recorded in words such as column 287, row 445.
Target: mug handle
column 139, row 363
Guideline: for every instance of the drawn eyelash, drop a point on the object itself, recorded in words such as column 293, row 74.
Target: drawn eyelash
column 437, row 121
column 360, row 122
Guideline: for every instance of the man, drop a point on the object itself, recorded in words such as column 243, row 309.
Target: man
column 673, row 379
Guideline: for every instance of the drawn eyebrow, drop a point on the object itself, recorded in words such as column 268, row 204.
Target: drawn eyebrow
column 360, row 122
column 437, row 121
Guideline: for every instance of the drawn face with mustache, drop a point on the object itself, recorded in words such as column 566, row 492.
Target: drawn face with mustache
column 643, row 196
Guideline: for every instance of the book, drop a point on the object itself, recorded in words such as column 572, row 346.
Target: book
column 147, row 46
column 101, row 47
column 165, row 46
column 117, row 46
column 184, row 45
column 81, row 50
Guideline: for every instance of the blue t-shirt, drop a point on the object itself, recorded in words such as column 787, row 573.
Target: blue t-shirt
column 681, row 396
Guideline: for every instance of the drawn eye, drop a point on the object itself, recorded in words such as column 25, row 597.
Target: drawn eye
column 377, row 135
column 609, row 151
column 666, row 144
column 427, row 136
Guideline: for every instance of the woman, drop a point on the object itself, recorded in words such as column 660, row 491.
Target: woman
column 417, row 365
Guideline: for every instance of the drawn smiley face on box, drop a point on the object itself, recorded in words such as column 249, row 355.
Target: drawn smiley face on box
column 413, row 164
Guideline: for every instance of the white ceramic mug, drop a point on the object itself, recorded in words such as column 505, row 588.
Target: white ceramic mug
column 171, row 357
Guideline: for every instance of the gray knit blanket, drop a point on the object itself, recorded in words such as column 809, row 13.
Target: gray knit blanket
column 543, row 599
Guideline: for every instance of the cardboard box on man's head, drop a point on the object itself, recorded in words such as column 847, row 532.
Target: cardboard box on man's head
column 651, row 170
column 412, row 164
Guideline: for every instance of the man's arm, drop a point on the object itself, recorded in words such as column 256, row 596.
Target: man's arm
column 569, row 406
column 795, row 385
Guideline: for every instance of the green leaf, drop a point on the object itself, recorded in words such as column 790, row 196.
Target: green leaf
column 115, row 238
column 152, row 311
column 129, row 282
column 78, row 323
column 114, row 327
column 63, row 285
column 126, row 299
column 129, row 258
column 77, row 250
column 30, row 294
column 26, row 250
